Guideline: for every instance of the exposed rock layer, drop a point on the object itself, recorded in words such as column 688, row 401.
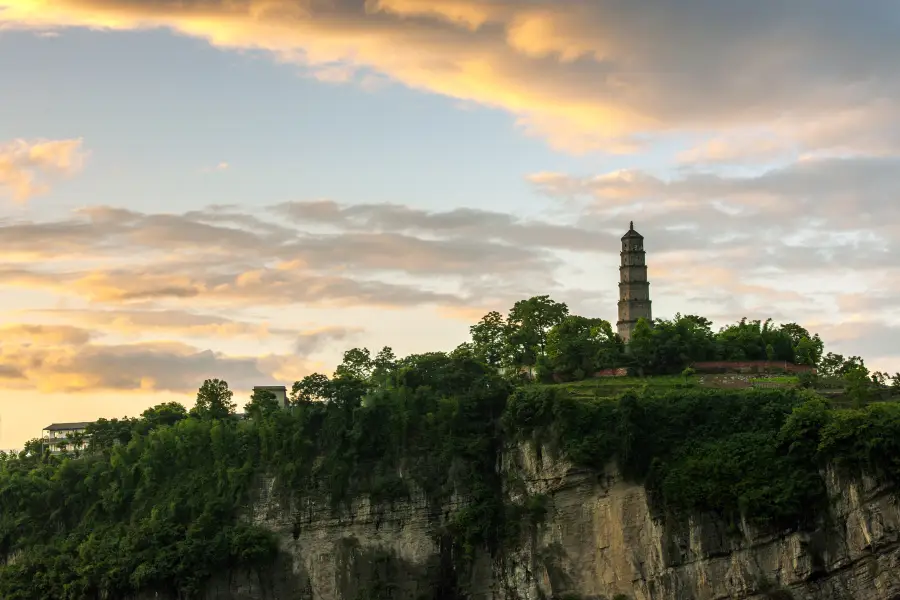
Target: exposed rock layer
column 599, row 540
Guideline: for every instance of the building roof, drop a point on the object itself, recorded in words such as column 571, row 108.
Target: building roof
column 269, row 387
column 63, row 426
column 631, row 233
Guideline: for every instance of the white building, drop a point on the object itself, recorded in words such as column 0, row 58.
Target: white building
column 279, row 391
column 56, row 434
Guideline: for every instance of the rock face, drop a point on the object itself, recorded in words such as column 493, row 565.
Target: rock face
column 599, row 540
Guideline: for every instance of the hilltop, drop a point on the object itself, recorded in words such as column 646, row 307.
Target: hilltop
column 160, row 504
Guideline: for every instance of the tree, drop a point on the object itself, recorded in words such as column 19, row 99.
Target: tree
column 808, row 351
column 262, row 404
column 681, row 342
column 640, row 348
column 214, row 400
column 857, row 379
column 466, row 350
column 831, row 364
column 835, row 365
column 357, row 363
column 529, row 322
column 770, row 355
column 578, row 346
column 313, row 387
column 744, row 340
column 384, row 363
column 34, row 448
column 103, row 434
column 807, row 348
column 489, row 339
column 78, row 440
column 165, row 414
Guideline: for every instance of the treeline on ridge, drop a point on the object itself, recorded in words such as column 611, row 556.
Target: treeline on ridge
column 154, row 504
column 541, row 335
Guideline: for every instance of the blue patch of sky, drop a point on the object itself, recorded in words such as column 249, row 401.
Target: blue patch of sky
column 158, row 112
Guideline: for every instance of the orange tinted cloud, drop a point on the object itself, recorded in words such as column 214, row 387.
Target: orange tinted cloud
column 139, row 367
column 25, row 165
column 603, row 74
column 741, row 149
column 29, row 334
column 165, row 321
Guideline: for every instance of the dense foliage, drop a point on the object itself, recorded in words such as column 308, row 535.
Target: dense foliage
column 539, row 332
column 540, row 336
column 158, row 513
column 756, row 453
column 153, row 503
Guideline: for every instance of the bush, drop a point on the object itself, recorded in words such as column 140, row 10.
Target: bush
column 751, row 453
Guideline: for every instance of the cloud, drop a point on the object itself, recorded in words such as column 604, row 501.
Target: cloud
column 222, row 166
column 144, row 367
column 310, row 342
column 254, row 286
column 24, row 164
column 64, row 358
column 29, row 334
column 163, row 321
column 874, row 340
column 311, row 253
column 477, row 226
column 601, row 75
column 813, row 205
column 741, row 149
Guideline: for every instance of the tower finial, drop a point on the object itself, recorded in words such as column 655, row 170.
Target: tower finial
column 630, row 225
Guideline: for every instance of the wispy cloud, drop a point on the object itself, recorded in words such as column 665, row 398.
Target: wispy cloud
column 218, row 168
column 159, row 322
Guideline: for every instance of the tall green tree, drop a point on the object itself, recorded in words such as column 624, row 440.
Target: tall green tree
column 104, row 434
column 383, row 366
column 165, row 414
column 214, row 400
column 578, row 346
column 490, row 339
column 357, row 363
column 529, row 321
column 807, row 347
column 858, row 385
column 640, row 349
column 313, row 387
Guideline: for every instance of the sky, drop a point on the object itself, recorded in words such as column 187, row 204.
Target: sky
column 246, row 189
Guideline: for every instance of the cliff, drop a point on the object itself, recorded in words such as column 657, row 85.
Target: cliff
column 599, row 539
column 453, row 484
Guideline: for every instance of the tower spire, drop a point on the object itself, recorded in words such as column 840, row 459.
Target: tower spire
column 634, row 289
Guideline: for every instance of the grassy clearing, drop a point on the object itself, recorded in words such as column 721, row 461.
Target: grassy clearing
column 785, row 379
column 613, row 386
column 603, row 387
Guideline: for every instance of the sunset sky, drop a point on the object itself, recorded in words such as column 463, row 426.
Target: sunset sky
column 245, row 189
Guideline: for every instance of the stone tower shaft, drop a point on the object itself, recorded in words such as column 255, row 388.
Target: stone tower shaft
column 634, row 289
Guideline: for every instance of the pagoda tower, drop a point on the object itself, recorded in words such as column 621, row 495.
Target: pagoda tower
column 634, row 289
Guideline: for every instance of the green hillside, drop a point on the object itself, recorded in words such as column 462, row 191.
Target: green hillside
column 154, row 504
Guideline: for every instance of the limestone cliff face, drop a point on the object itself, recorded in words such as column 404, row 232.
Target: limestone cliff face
column 599, row 540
